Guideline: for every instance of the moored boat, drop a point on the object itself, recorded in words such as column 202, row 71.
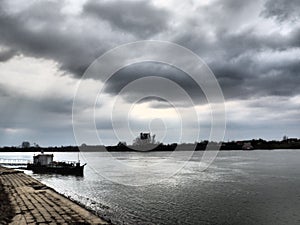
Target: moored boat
column 44, row 163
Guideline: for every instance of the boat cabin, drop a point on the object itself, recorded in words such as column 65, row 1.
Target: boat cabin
column 43, row 159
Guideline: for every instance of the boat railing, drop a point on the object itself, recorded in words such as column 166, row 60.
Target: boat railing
column 13, row 162
column 63, row 163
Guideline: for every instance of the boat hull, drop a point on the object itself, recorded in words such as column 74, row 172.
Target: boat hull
column 76, row 170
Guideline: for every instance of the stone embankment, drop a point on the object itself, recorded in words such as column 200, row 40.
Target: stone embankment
column 24, row 200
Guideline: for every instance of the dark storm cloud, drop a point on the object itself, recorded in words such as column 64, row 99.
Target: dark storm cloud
column 234, row 51
column 215, row 32
column 6, row 55
column 233, row 55
column 40, row 31
column 140, row 18
column 43, row 30
column 250, row 76
column 131, row 73
column 282, row 10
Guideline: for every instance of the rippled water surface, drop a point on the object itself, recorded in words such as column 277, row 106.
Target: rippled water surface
column 255, row 187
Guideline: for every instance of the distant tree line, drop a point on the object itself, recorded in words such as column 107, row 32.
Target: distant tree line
column 285, row 143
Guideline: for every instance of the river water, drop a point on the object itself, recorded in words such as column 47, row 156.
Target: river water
column 239, row 187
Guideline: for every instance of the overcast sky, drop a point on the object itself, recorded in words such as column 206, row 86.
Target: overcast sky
column 252, row 47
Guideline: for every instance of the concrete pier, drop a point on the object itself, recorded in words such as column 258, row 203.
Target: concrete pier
column 34, row 203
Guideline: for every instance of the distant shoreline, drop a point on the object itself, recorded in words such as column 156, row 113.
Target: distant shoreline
column 227, row 150
column 260, row 144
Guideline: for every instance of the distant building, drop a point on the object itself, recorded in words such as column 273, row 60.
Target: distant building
column 144, row 139
column 145, row 136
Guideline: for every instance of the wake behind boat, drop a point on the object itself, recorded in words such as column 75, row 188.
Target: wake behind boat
column 44, row 163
